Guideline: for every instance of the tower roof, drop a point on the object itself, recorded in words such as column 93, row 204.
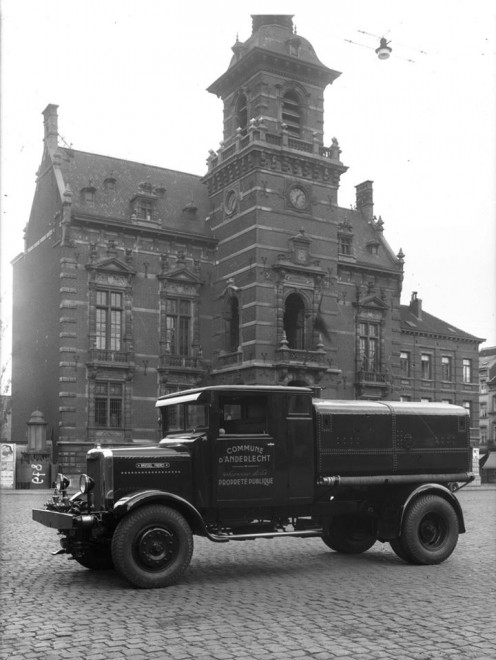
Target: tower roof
column 273, row 44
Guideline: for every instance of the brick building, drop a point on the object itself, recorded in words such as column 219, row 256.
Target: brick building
column 438, row 362
column 487, row 398
column 137, row 280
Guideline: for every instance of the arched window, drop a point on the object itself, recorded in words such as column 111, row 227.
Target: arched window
column 291, row 113
column 242, row 112
column 294, row 321
column 234, row 325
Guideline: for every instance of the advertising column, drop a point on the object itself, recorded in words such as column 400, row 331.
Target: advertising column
column 7, row 465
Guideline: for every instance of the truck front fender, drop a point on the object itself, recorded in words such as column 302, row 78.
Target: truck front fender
column 435, row 489
column 127, row 504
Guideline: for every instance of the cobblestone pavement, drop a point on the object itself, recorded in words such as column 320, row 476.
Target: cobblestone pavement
column 284, row 598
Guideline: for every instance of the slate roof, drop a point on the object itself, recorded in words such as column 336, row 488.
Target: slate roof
column 431, row 325
column 85, row 170
column 366, row 234
column 275, row 38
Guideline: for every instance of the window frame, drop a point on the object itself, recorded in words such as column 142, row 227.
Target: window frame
column 426, row 359
column 369, row 360
column 179, row 326
column 447, row 368
column 466, row 370
column 405, row 361
column 107, row 338
column 291, row 113
column 109, row 400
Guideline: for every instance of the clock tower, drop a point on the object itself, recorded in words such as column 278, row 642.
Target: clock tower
column 273, row 188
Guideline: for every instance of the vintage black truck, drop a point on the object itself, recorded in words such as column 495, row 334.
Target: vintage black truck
column 248, row 462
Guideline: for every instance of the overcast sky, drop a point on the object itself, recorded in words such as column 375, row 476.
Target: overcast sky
column 129, row 77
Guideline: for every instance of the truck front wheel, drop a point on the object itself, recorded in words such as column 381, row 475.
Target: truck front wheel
column 430, row 530
column 152, row 546
column 349, row 535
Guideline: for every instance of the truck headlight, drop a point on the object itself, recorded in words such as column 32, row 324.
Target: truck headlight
column 86, row 483
column 62, row 483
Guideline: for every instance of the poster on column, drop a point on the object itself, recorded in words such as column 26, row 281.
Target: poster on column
column 7, row 465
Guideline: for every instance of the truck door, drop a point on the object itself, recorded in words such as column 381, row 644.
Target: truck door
column 244, row 450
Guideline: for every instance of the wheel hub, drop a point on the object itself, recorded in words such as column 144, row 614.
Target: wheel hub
column 431, row 531
column 156, row 547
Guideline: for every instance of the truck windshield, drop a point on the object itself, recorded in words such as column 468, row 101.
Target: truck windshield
column 191, row 416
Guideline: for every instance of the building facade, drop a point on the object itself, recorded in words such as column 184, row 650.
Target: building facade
column 438, row 362
column 136, row 281
column 487, row 398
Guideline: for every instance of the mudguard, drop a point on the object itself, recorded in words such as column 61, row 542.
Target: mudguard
column 127, row 504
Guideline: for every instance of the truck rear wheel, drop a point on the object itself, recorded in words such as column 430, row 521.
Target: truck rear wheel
column 349, row 535
column 152, row 546
column 430, row 530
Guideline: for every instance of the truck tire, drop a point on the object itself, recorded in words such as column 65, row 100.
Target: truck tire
column 398, row 549
column 152, row 546
column 349, row 535
column 430, row 530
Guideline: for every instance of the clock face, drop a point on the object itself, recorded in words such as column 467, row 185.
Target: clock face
column 230, row 202
column 298, row 197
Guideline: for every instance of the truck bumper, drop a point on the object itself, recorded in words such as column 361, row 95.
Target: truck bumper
column 54, row 519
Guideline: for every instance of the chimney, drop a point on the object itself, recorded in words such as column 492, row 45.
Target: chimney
column 51, row 127
column 365, row 199
column 416, row 306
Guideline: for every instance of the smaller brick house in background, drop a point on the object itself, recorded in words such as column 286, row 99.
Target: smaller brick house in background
column 487, row 410
column 438, row 362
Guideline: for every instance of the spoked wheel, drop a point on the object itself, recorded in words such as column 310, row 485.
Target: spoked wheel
column 349, row 534
column 430, row 530
column 152, row 546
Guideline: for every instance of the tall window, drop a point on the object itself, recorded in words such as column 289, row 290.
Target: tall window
column 294, row 321
column 178, row 326
column 467, row 370
column 405, row 364
column 369, row 346
column 234, row 325
column 426, row 366
column 468, row 406
column 291, row 115
column 109, row 320
column 446, row 367
column 144, row 209
column 345, row 245
column 241, row 112
column 108, row 404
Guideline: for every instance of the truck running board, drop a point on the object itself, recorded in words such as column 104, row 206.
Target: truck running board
column 265, row 535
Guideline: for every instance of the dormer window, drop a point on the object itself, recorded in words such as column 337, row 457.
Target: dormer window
column 291, row 113
column 189, row 211
column 109, row 183
column 144, row 209
column 345, row 245
column 373, row 247
column 294, row 46
column 88, row 195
